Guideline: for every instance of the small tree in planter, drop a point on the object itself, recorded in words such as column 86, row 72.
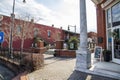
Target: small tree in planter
column 36, row 41
column 107, row 55
column 73, row 43
column 37, row 44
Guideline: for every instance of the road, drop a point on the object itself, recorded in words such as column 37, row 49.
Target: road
column 5, row 73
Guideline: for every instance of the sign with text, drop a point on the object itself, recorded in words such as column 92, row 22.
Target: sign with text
column 98, row 52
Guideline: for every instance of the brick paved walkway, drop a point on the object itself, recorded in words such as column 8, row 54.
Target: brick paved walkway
column 55, row 69
column 61, row 69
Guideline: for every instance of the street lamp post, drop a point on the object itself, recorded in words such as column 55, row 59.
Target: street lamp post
column 11, row 28
column 72, row 26
column 69, row 30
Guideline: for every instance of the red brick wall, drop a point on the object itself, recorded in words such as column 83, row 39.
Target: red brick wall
column 59, row 44
column 92, row 34
column 101, row 27
column 42, row 32
column 65, row 53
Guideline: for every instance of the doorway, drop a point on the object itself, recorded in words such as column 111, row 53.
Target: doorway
column 116, row 45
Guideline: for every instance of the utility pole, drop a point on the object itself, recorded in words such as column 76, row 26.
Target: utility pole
column 11, row 28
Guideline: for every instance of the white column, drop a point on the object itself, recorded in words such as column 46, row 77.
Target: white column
column 83, row 56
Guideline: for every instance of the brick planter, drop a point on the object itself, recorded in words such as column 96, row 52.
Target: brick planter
column 59, row 44
column 65, row 53
column 39, row 50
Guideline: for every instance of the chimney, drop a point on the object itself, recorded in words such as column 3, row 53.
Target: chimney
column 61, row 27
column 32, row 20
column 52, row 25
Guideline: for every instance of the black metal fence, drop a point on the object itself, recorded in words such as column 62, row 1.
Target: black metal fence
column 17, row 57
column 25, row 59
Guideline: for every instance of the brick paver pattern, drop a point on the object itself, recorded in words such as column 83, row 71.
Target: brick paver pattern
column 62, row 69
column 55, row 69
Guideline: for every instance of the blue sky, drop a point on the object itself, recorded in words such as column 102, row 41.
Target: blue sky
column 48, row 12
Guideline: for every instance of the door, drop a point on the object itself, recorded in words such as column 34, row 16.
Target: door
column 116, row 45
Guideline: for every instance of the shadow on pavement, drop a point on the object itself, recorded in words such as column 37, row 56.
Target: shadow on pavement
column 56, row 59
column 77, row 75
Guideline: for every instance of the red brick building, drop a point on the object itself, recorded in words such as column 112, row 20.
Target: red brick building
column 30, row 30
column 108, row 26
column 93, row 36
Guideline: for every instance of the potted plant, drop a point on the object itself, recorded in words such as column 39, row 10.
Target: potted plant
column 107, row 54
column 36, row 44
column 73, row 43
column 114, row 34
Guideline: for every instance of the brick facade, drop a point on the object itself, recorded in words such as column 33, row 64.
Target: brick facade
column 101, row 26
column 48, row 34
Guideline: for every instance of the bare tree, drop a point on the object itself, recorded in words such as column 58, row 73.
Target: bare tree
column 25, row 29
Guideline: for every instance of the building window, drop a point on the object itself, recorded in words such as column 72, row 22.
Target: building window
column 18, row 29
column 116, row 15
column 35, row 32
column 49, row 33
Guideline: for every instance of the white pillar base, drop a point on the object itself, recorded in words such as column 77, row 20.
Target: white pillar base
column 83, row 60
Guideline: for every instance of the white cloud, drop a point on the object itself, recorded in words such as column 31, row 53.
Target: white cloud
column 67, row 13
column 91, row 16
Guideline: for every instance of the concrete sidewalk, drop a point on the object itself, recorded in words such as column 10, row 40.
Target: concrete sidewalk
column 78, row 75
column 107, row 69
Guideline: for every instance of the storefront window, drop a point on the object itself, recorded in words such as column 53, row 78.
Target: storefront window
column 113, row 31
column 116, row 15
column 108, row 18
column 117, row 44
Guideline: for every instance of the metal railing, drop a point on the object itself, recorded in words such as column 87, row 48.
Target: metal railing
column 17, row 58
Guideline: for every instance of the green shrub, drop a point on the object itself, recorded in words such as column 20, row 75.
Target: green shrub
column 73, row 43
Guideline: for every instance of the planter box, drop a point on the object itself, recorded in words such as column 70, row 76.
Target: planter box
column 39, row 50
column 59, row 44
column 65, row 53
column 107, row 55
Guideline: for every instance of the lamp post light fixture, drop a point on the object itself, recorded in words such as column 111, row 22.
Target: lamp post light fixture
column 69, row 29
column 11, row 28
column 68, row 35
column 71, row 26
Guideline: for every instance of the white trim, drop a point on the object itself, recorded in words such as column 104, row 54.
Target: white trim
column 112, row 47
column 107, row 25
column 115, row 2
column 106, row 28
column 106, row 3
column 97, row 1
column 116, row 61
